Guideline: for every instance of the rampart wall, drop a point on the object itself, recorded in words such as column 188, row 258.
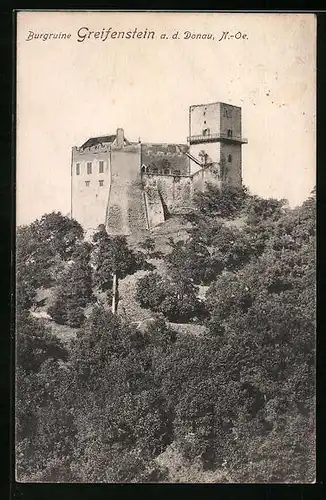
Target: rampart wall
column 125, row 210
column 165, row 158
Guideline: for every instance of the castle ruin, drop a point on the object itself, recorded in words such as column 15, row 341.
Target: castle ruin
column 133, row 186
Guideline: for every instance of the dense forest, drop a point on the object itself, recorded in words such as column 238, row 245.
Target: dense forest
column 237, row 401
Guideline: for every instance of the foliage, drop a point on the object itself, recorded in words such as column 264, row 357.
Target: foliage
column 59, row 233
column 74, row 290
column 41, row 249
column 113, row 256
column 148, row 244
column 258, row 209
column 239, row 398
column 175, row 299
column 35, row 344
column 211, row 248
column 226, row 201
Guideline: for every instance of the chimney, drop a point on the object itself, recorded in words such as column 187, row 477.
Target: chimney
column 120, row 138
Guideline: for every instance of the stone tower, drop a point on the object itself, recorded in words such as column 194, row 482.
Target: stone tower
column 215, row 138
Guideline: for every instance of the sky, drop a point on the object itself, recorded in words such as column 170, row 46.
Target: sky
column 68, row 91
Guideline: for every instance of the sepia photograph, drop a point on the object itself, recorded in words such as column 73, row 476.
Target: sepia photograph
column 165, row 247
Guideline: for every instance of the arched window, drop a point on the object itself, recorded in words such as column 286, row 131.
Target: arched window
column 229, row 132
column 230, row 158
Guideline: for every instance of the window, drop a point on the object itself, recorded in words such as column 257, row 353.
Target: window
column 101, row 183
column 87, row 183
column 206, row 131
column 230, row 158
column 205, row 122
column 177, row 172
column 229, row 133
column 166, row 171
column 89, row 167
column 77, row 168
column 101, row 167
column 204, row 113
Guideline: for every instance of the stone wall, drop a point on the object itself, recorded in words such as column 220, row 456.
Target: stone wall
column 174, row 191
column 153, row 205
column 165, row 158
column 126, row 211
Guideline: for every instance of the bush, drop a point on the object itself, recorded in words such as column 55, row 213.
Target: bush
column 176, row 300
column 226, row 202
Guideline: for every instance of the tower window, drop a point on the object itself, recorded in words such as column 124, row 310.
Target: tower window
column 230, row 158
column 86, row 183
column 205, row 122
column 89, row 167
column 101, row 167
column 77, row 168
column 206, row 131
column 229, row 132
column 101, row 183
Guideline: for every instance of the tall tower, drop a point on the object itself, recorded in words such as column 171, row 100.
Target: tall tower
column 215, row 137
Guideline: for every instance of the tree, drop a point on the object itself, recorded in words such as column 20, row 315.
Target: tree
column 238, row 398
column 113, row 261
column 175, row 299
column 226, row 201
column 258, row 209
column 42, row 247
column 74, row 290
column 148, row 244
column 59, row 233
column 35, row 343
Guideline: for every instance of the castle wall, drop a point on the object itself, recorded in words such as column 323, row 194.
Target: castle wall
column 153, row 205
column 88, row 196
column 126, row 211
column 165, row 158
column 175, row 191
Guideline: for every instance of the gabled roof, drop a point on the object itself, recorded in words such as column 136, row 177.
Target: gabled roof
column 104, row 139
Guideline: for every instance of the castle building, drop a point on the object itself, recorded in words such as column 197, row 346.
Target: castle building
column 132, row 186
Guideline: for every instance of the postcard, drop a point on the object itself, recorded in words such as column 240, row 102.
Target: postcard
column 165, row 262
